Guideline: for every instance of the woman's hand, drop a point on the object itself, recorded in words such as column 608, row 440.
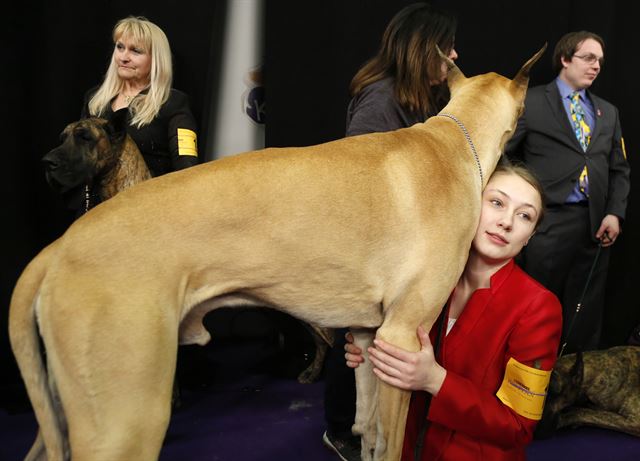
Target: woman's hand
column 404, row 369
column 353, row 353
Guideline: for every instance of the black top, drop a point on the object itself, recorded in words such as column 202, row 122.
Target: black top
column 375, row 109
column 158, row 141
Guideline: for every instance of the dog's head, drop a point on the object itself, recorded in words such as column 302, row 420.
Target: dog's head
column 501, row 99
column 89, row 148
column 565, row 389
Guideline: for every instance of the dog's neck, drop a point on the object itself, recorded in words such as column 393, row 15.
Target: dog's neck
column 128, row 170
column 480, row 127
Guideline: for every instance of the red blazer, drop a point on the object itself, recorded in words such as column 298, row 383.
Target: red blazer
column 516, row 317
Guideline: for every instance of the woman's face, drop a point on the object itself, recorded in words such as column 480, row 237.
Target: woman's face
column 444, row 69
column 510, row 210
column 133, row 61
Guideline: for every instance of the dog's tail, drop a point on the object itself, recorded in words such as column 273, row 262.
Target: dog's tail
column 25, row 343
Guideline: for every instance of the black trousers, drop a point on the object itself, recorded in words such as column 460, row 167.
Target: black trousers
column 560, row 257
column 339, row 390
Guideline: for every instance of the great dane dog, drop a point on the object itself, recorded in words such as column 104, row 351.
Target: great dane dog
column 596, row 388
column 98, row 154
column 370, row 232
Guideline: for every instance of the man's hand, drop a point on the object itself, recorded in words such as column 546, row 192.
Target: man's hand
column 609, row 230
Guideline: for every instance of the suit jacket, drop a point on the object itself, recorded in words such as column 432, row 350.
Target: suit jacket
column 545, row 140
column 516, row 317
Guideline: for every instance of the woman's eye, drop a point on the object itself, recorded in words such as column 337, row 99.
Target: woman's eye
column 496, row 202
column 525, row 216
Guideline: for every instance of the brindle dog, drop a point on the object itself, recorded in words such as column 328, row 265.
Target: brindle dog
column 596, row 388
column 98, row 154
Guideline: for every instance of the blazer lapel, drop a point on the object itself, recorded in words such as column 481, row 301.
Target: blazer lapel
column 597, row 114
column 468, row 318
column 476, row 307
column 557, row 108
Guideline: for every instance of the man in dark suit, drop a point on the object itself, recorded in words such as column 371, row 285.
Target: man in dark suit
column 572, row 141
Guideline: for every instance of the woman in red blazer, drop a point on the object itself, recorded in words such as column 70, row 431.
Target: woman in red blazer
column 499, row 344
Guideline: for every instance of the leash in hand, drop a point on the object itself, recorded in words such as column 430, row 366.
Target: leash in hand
column 584, row 291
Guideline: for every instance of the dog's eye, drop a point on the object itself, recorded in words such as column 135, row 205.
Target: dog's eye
column 83, row 135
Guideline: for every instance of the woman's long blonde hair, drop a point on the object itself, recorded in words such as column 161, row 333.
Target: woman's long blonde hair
column 144, row 107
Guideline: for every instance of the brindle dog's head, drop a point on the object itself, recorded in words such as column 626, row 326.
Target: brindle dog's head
column 565, row 389
column 89, row 148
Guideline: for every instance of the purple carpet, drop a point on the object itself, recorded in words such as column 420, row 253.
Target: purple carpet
column 244, row 413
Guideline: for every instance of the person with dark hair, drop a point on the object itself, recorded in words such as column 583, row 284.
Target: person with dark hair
column 403, row 84
column 480, row 394
column 572, row 141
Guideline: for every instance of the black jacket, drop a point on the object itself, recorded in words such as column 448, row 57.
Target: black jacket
column 545, row 141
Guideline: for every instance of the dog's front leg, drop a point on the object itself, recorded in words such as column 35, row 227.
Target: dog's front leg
column 366, row 392
column 416, row 307
column 393, row 403
column 576, row 417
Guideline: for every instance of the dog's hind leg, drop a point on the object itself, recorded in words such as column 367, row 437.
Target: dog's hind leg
column 38, row 450
column 127, row 416
column 114, row 361
column 322, row 338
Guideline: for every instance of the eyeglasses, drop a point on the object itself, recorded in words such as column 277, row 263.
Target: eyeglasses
column 590, row 58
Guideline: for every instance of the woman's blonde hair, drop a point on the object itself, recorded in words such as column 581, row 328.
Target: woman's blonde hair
column 144, row 107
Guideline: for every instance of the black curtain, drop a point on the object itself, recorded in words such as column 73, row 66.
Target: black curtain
column 314, row 50
column 57, row 50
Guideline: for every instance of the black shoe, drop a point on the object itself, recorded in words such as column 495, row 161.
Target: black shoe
column 348, row 448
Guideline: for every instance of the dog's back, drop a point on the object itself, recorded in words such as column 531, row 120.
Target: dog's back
column 368, row 231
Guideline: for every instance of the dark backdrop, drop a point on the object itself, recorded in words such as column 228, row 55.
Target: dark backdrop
column 55, row 51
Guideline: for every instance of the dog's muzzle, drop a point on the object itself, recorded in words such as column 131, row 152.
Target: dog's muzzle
column 60, row 174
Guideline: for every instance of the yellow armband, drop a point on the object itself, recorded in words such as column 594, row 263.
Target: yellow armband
column 524, row 389
column 187, row 144
column 624, row 151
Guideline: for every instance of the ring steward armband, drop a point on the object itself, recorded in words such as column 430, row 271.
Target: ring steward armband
column 524, row 389
column 187, row 143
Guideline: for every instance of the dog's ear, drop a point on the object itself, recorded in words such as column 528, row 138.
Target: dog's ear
column 556, row 383
column 454, row 74
column 577, row 371
column 117, row 126
column 522, row 77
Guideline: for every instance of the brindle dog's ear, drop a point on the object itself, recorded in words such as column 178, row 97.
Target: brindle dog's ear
column 577, row 371
column 117, row 126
